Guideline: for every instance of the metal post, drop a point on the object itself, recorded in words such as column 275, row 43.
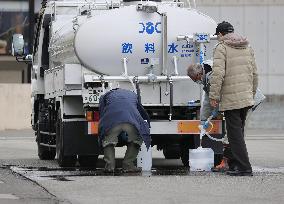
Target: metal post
column 136, row 81
column 164, row 43
column 103, row 83
column 31, row 35
column 171, row 98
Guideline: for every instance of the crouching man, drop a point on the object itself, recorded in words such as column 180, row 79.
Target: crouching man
column 122, row 113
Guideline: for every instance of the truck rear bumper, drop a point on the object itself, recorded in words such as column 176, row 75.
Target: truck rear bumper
column 183, row 127
column 81, row 138
column 167, row 133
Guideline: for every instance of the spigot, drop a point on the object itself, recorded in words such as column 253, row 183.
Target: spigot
column 151, row 76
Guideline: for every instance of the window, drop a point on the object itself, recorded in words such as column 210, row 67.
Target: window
column 13, row 19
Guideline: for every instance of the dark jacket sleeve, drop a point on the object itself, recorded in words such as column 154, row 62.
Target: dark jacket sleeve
column 143, row 113
column 103, row 102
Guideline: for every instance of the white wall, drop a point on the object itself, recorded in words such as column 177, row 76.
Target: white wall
column 262, row 22
column 11, row 76
column 15, row 106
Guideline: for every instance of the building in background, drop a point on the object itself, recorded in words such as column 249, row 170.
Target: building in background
column 15, row 17
column 262, row 22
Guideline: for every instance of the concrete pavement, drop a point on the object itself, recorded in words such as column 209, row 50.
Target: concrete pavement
column 174, row 184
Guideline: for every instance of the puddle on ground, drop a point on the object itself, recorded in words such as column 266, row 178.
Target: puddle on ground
column 60, row 178
column 60, row 174
column 66, row 174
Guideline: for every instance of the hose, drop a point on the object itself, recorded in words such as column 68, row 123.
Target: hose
column 204, row 132
column 130, row 80
column 206, row 125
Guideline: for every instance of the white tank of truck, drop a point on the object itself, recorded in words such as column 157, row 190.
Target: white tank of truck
column 100, row 40
column 82, row 49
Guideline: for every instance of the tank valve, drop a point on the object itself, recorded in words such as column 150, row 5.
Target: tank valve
column 151, row 76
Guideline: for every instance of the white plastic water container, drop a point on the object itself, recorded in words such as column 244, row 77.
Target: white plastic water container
column 201, row 159
column 144, row 158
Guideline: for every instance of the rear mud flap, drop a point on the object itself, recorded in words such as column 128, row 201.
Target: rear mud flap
column 77, row 141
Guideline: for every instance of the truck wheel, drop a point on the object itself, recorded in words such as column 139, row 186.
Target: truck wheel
column 44, row 152
column 184, row 158
column 171, row 152
column 188, row 142
column 184, row 154
column 63, row 160
column 88, row 161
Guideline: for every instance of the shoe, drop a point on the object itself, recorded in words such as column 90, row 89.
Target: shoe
column 232, row 165
column 129, row 159
column 222, row 167
column 109, row 157
column 240, row 173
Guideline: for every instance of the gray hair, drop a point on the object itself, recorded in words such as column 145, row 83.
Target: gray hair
column 193, row 70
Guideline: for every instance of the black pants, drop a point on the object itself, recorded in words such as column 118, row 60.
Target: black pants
column 235, row 123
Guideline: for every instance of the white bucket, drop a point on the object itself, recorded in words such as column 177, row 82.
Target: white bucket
column 144, row 158
column 201, row 159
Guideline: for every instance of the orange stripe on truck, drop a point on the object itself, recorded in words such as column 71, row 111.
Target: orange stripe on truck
column 93, row 128
column 191, row 127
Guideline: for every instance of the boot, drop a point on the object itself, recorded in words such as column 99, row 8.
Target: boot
column 109, row 157
column 230, row 158
column 130, row 157
column 222, row 167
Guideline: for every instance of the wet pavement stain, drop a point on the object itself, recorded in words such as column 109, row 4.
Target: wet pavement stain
column 66, row 174
column 60, row 178
column 61, row 173
column 51, row 169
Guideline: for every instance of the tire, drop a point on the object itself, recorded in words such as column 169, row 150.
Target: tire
column 62, row 160
column 171, row 152
column 88, row 161
column 185, row 157
column 44, row 152
column 184, row 154
column 188, row 142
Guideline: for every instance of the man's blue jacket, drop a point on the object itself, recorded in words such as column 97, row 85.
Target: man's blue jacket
column 122, row 106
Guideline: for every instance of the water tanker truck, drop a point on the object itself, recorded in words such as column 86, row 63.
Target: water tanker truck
column 82, row 49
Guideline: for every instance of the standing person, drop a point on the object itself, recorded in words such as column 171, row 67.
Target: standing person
column 120, row 113
column 201, row 75
column 233, row 85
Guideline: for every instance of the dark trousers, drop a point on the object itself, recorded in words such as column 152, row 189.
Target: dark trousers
column 235, row 123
